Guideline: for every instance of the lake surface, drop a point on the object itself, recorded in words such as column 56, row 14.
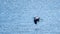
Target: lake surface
column 16, row 16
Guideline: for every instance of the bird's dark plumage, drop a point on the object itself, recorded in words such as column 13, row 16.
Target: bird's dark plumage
column 36, row 19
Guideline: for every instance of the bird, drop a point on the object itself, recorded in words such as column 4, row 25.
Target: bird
column 36, row 19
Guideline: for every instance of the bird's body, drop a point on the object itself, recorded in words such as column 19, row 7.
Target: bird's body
column 36, row 19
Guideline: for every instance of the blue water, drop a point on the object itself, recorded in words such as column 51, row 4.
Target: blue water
column 16, row 16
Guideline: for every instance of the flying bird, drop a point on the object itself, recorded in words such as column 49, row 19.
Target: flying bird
column 36, row 19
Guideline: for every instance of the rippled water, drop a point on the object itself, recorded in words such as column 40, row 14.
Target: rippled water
column 16, row 16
